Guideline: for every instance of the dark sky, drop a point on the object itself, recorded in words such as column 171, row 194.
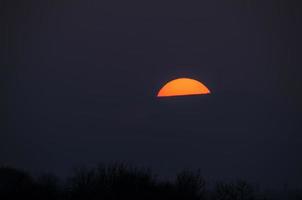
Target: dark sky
column 79, row 82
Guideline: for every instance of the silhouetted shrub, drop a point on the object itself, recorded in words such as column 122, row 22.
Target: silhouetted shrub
column 190, row 185
column 15, row 183
column 47, row 187
column 234, row 191
column 113, row 182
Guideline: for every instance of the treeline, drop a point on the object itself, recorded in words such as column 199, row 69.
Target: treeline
column 120, row 181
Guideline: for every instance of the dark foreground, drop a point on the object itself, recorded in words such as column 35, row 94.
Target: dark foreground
column 120, row 181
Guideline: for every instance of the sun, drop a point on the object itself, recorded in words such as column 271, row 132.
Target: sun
column 183, row 87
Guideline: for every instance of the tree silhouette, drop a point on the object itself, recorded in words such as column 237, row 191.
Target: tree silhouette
column 122, row 181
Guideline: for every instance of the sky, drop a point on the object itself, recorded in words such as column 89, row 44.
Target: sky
column 79, row 81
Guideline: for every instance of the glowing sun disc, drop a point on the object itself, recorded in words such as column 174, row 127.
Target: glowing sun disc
column 183, row 87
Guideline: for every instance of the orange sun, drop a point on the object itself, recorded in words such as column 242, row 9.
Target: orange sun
column 182, row 87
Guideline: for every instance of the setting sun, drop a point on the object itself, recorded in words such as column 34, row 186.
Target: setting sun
column 182, row 87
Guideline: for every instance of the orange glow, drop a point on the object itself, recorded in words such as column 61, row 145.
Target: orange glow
column 182, row 87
